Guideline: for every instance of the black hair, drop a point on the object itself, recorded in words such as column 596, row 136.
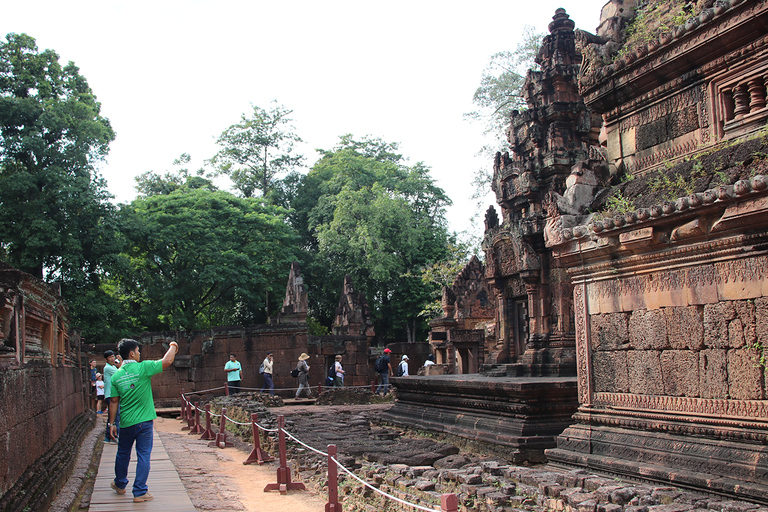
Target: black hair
column 233, row 355
column 108, row 353
column 126, row 346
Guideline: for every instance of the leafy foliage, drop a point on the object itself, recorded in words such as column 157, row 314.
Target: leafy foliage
column 203, row 257
column 257, row 149
column 443, row 273
column 56, row 220
column 652, row 18
column 363, row 212
column 499, row 94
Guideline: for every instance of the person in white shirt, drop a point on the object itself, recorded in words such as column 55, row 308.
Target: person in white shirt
column 267, row 374
column 402, row 370
column 338, row 380
column 430, row 360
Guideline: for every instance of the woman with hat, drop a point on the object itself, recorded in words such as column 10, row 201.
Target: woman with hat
column 303, row 369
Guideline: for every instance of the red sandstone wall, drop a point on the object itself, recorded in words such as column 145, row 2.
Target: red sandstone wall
column 203, row 354
column 700, row 351
column 36, row 408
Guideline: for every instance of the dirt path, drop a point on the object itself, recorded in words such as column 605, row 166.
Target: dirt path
column 217, row 480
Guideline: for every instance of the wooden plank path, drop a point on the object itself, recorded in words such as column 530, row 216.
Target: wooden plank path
column 164, row 484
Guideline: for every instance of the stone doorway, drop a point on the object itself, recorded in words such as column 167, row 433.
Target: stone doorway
column 518, row 310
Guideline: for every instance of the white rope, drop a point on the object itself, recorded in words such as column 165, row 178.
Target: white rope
column 324, row 454
column 305, row 445
column 194, row 392
column 413, row 505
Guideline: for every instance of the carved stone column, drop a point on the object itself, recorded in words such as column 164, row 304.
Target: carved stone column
column 741, row 97
column 756, row 94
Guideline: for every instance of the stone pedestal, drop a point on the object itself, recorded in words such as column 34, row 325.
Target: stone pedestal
column 522, row 414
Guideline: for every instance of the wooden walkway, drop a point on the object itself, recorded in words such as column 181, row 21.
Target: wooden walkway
column 164, row 483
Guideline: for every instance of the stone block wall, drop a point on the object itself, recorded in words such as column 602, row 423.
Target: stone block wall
column 202, row 355
column 699, row 351
column 37, row 407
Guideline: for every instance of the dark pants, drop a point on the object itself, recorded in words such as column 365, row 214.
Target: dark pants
column 268, row 384
column 234, row 386
column 383, row 383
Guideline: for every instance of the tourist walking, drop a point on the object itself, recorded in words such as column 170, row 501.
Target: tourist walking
column 266, row 372
column 384, row 369
column 233, row 369
column 303, row 368
column 402, row 368
column 338, row 379
column 132, row 392
column 93, row 373
column 99, row 393
column 110, row 367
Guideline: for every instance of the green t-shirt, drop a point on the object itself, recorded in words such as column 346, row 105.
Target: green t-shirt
column 109, row 371
column 133, row 384
column 233, row 365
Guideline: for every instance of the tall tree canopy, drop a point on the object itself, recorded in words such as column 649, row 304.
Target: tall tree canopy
column 369, row 215
column 52, row 202
column 203, row 257
column 56, row 221
column 257, row 149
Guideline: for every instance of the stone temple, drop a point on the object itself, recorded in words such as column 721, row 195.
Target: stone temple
column 618, row 323
column 628, row 268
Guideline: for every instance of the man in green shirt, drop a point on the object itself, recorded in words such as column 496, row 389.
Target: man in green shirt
column 132, row 392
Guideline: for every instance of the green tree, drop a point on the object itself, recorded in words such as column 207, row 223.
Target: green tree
column 368, row 214
column 151, row 183
column 56, row 220
column 501, row 92
column 203, row 257
column 258, row 149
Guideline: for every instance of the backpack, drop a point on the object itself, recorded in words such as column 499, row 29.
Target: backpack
column 400, row 371
column 332, row 371
column 328, row 382
column 379, row 366
column 261, row 368
column 295, row 373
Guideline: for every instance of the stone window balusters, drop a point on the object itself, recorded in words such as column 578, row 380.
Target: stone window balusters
column 757, row 93
column 741, row 97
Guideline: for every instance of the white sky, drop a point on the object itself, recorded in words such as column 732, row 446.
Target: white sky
column 171, row 75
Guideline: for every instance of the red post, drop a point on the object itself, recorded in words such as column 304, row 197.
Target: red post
column 208, row 434
column 333, row 482
column 183, row 405
column 190, row 417
column 197, row 428
column 449, row 503
column 257, row 454
column 187, row 416
column 373, row 386
column 319, row 389
column 284, row 483
column 221, row 437
column 226, row 389
column 185, row 411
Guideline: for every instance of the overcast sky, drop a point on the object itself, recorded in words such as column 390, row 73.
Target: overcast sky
column 171, row 75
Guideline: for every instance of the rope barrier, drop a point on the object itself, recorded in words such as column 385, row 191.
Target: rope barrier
column 449, row 502
column 305, row 445
column 350, row 473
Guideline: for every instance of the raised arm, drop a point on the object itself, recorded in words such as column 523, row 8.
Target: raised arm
column 169, row 356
